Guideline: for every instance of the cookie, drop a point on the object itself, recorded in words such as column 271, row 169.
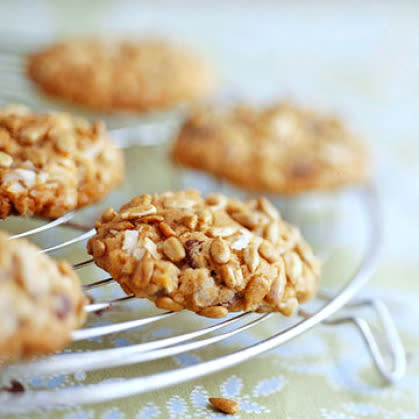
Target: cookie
column 212, row 256
column 53, row 163
column 41, row 301
column 120, row 75
column 280, row 149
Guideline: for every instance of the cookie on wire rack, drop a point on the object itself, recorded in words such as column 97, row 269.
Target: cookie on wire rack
column 211, row 255
column 280, row 149
column 53, row 163
column 41, row 301
column 115, row 75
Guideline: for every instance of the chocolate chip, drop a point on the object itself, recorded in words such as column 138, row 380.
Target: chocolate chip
column 191, row 243
column 192, row 250
column 64, row 306
column 14, row 387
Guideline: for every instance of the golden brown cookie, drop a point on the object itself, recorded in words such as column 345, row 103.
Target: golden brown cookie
column 120, row 75
column 41, row 301
column 211, row 256
column 281, row 149
column 53, row 163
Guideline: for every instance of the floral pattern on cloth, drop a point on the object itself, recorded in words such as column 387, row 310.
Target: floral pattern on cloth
column 324, row 361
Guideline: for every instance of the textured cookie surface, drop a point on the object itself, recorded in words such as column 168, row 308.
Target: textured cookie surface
column 211, row 255
column 120, row 75
column 41, row 301
column 53, row 163
column 282, row 149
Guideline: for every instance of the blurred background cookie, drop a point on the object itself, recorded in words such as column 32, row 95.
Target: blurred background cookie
column 282, row 148
column 112, row 75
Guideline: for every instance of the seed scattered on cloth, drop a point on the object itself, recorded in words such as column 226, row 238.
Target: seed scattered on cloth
column 14, row 387
column 228, row 406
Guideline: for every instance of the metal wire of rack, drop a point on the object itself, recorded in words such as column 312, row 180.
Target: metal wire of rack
column 386, row 349
column 389, row 359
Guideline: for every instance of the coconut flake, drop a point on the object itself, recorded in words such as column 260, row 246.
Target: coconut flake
column 139, row 253
column 70, row 199
column 43, row 177
column 27, row 177
column 151, row 247
column 243, row 240
column 27, row 164
column 15, row 187
column 130, row 241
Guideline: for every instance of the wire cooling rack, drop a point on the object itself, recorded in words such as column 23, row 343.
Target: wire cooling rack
column 384, row 345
